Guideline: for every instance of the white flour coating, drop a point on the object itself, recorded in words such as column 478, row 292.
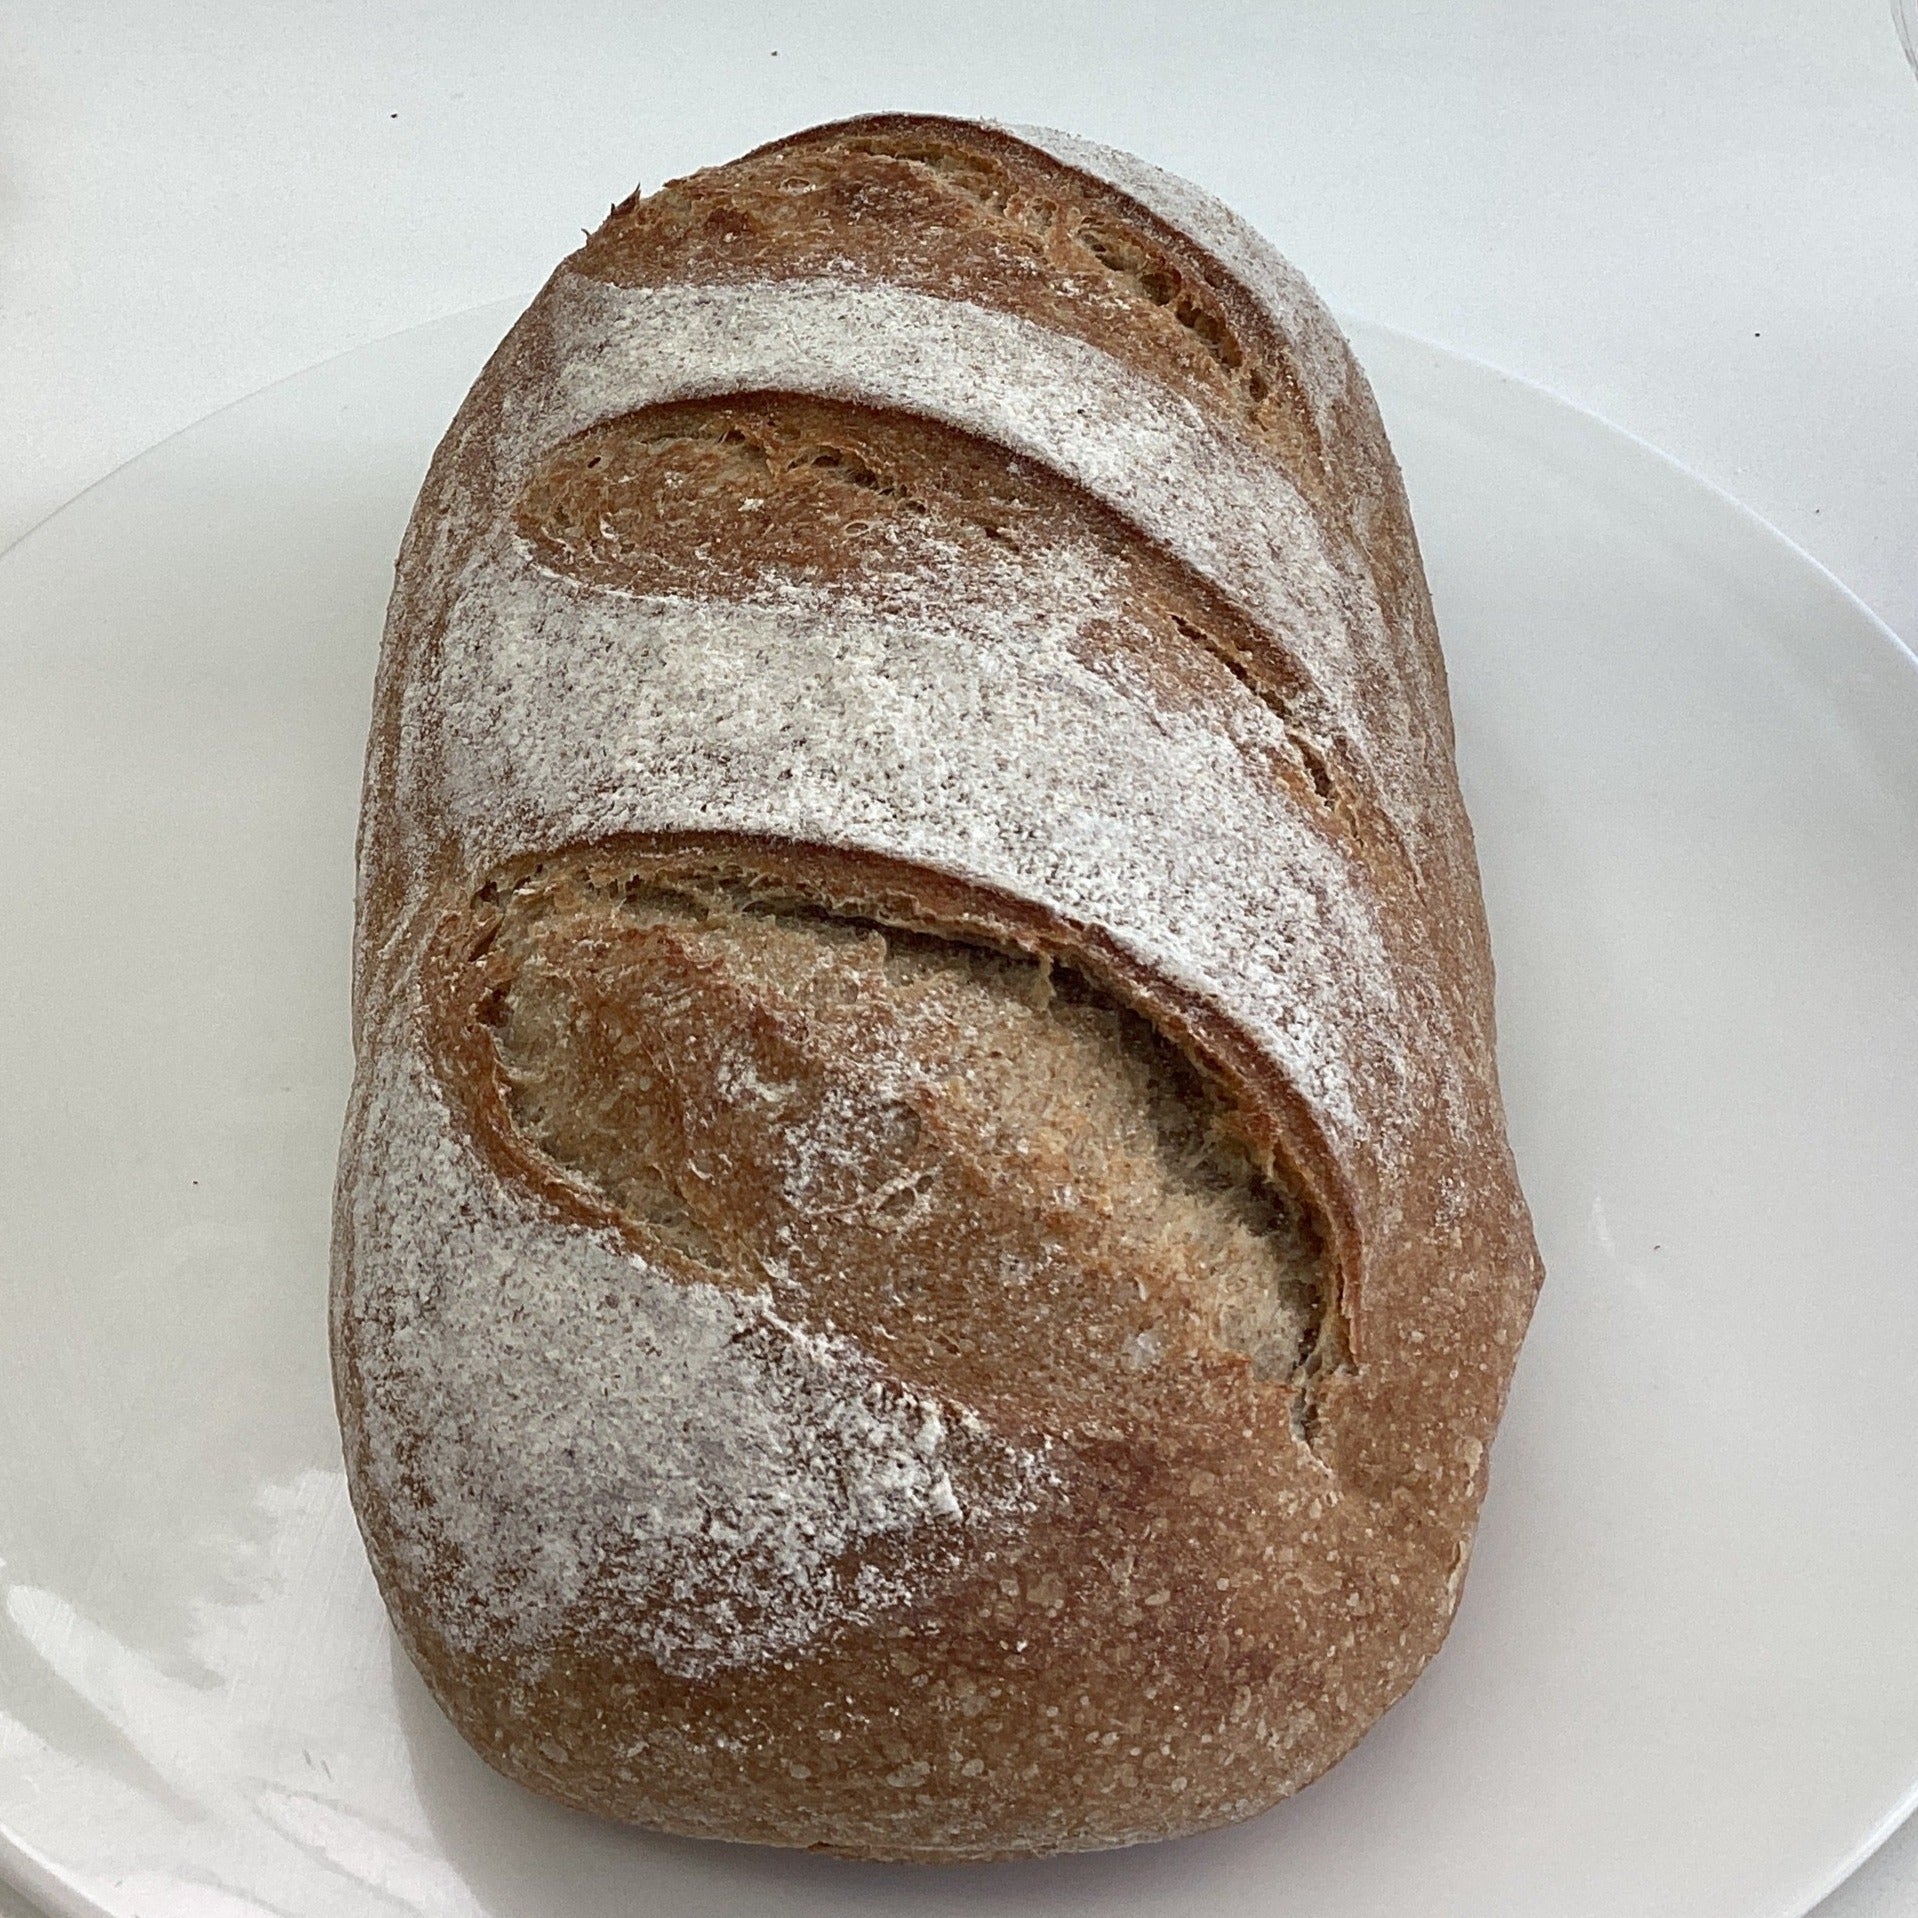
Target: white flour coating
column 961, row 731
column 669, row 1462
column 1203, row 490
column 1329, row 383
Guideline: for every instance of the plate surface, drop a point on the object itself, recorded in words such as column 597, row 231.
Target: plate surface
column 1685, row 1675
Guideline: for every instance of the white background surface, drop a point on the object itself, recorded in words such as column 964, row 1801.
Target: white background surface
column 1700, row 220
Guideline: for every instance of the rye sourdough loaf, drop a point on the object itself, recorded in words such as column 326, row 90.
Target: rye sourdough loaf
column 926, row 1254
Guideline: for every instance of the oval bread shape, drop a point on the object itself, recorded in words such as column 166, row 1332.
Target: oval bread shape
column 926, row 1255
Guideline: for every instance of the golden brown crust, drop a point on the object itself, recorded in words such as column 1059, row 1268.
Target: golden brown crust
column 1221, row 1578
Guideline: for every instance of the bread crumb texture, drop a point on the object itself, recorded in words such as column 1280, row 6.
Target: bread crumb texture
column 925, row 1255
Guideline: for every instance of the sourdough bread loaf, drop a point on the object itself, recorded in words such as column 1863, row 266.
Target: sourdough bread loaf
column 926, row 1256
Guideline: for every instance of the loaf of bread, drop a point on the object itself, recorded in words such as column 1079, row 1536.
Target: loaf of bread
column 926, row 1254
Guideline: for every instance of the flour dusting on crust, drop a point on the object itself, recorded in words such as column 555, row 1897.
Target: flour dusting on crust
column 672, row 1453
column 954, row 732
column 1204, row 491
column 961, row 730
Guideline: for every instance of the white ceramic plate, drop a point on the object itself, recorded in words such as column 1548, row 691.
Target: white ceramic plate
column 1685, row 1677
